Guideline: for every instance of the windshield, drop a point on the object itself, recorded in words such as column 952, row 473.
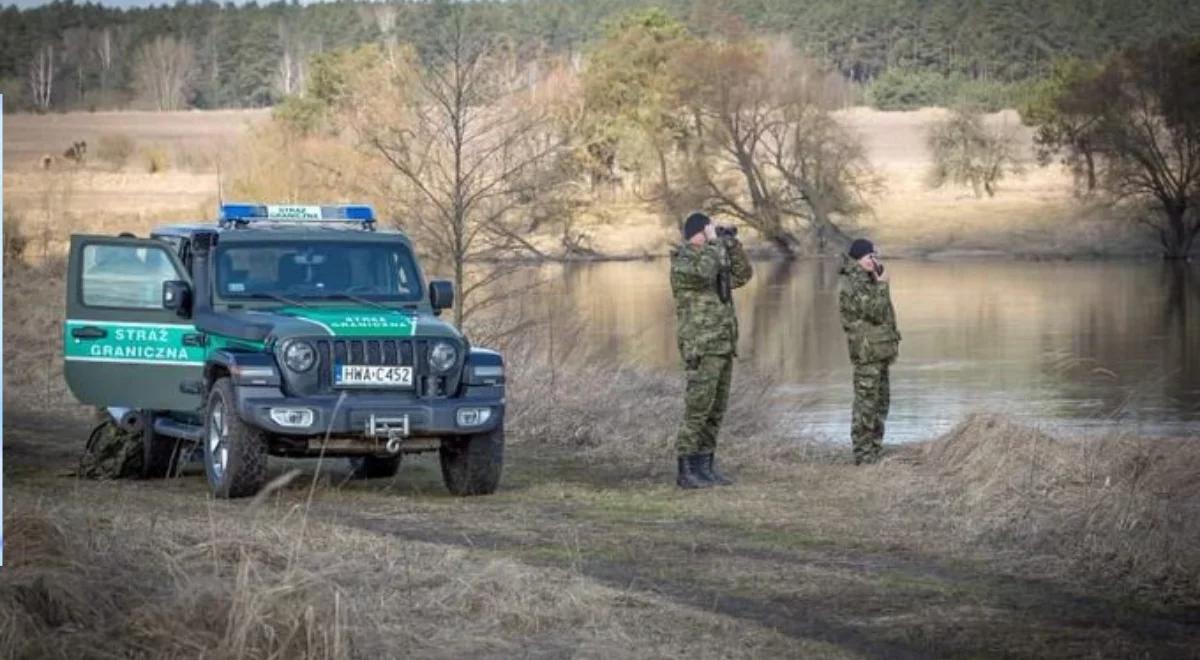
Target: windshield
column 307, row 270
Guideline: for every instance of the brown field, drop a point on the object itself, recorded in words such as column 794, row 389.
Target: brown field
column 1034, row 214
column 27, row 137
column 993, row 541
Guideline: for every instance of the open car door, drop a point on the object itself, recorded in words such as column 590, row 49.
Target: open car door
column 121, row 347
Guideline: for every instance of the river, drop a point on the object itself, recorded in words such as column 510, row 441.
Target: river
column 1074, row 347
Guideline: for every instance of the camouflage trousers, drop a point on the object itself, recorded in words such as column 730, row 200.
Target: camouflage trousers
column 705, row 401
column 872, row 398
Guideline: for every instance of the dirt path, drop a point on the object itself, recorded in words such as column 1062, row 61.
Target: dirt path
column 625, row 528
column 875, row 604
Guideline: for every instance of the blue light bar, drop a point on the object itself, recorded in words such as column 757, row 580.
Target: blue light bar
column 296, row 213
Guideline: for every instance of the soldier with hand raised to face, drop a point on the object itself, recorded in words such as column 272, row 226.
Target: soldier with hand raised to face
column 704, row 271
column 869, row 320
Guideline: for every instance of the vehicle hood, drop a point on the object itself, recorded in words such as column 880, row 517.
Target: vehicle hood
column 342, row 322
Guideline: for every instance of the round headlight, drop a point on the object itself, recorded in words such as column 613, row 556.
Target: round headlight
column 299, row 356
column 443, row 356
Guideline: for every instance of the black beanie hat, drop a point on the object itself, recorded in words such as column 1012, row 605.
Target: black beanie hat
column 694, row 224
column 860, row 248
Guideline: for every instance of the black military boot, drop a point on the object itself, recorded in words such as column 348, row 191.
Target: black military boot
column 708, row 468
column 689, row 474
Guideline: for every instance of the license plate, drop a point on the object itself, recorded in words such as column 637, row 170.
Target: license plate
column 359, row 375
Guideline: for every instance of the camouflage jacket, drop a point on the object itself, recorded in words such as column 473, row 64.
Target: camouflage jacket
column 705, row 324
column 867, row 315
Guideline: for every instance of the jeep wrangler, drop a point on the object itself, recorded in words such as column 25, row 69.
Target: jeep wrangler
column 297, row 331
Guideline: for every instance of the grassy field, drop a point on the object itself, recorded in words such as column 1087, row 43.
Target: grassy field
column 1034, row 214
column 591, row 553
column 992, row 541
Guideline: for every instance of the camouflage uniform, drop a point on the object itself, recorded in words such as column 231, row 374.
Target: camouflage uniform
column 110, row 453
column 707, row 333
column 870, row 324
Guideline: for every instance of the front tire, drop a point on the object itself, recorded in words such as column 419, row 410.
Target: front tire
column 374, row 467
column 471, row 465
column 235, row 454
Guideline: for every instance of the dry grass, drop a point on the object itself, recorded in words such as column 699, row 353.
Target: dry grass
column 33, row 329
column 115, row 149
column 1116, row 507
column 27, row 137
column 98, row 580
column 629, row 412
column 79, row 587
column 1033, row 214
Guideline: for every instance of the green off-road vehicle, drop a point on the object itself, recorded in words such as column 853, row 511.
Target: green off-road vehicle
column 296, row 331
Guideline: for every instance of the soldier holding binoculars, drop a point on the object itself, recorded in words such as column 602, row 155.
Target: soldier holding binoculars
column 704, row 272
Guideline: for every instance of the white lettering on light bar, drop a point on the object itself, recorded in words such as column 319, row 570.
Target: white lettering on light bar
column 293, row 212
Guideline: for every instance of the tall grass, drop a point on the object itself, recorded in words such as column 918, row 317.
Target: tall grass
column 34, row 308
column 15, row 240
column 579, row 399
column 116, row 149
column 1117, row 507
column 93, row 581
column 73, row 589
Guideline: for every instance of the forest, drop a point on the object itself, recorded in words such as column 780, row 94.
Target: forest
column 899, row 53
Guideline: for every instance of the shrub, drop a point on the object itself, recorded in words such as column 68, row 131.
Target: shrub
column 966, row 151
column 156, row 159
column 194, row 158
column 300, row 113
column 115, row 148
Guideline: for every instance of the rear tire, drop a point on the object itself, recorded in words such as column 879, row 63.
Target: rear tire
column 235, row 454
column 161, row 455
column 471, row 465
column 374, row 467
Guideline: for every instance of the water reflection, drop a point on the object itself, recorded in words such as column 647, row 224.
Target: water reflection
column 1065, row 344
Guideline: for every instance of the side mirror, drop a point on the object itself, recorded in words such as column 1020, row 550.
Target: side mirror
column 177, row 296
column 441, row 294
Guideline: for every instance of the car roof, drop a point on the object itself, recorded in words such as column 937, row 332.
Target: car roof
column 269, row 231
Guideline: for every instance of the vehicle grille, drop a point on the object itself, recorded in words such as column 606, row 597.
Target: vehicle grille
column 384, row 352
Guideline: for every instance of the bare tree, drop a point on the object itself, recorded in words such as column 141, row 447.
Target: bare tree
column 968, row 152
column 824, row 166
column 291, row 70
column 384, row 16
column 1149, row 133
column 77, row 57
column 164, row 72
column 104, row 48
column 468, row 151
column 42, row 71
column 766, row 150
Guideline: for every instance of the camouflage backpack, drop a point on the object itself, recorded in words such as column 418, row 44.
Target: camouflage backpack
column 111, row 452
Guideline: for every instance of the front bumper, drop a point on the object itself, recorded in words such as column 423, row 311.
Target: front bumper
column 350, row 412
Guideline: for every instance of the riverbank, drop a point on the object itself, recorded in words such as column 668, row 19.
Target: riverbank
column 992, row 541
column 162, row 167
